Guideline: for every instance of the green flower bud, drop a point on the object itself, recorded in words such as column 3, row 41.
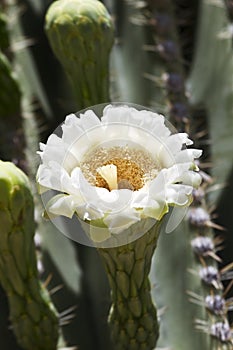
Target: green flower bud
column 29, row 304
column 81, row 35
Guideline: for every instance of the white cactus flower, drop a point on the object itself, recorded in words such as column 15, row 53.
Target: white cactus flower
column 117, row 170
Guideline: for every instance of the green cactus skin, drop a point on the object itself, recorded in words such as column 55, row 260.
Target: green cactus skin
column 12, row 139
column 133, row 317
column 178, row 327
column 10, row 97
column 4, row 35
column 33, row 317
column 169, row 56
column 81, row 35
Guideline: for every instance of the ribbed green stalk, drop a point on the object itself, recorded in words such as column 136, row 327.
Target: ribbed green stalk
column 33, row 317
column 80, row 33
column 133, row 316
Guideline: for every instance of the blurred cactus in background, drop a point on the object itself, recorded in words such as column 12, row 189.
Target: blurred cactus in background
column 173, row 56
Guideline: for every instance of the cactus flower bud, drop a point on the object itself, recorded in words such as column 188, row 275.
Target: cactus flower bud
column 80, row 33
column 34, row 320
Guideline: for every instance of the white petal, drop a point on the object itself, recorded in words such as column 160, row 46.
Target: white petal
column 86, row 121
column 80, row 133
column 152, row 201
column 97, row 200
column 140, row 198
column 188, row 155
column 145, row 120
column 178, row 194
column 171, row 147
column 86, row 211
column 156, row 210
column 71, row 129
column 89, row 120
column 113, row 201
column 157, row 185
column 55, row 177
column 120, row 221
column 57, row 150
column 62, row 204
column 191, row 178
column 116, row 114
column 42, row 147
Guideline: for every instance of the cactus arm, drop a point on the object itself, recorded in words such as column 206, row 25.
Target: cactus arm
column 216, row 89
column 128, row 58
column 174, row 251
column 171, row 280
column 168, row 72
column 33, row 317
column 179, row 311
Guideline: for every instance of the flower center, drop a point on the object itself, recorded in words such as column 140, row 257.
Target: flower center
column 122, row 173
column 119, row 168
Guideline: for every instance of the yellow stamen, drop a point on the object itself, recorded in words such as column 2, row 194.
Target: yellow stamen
column 109, row 174
column 134, row 167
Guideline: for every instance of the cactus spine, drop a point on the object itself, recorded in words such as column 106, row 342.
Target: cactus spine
column 33, row 317
column 80, row 33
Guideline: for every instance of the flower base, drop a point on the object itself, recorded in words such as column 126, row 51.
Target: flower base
column 133, row 316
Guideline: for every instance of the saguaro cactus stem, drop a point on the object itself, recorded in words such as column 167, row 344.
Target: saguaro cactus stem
column 81, row 36
column 133, row 316
column 33, row 317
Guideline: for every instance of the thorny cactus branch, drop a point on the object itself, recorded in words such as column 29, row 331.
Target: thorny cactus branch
column 33, row 317
column 158, row 13
column 160, row 17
